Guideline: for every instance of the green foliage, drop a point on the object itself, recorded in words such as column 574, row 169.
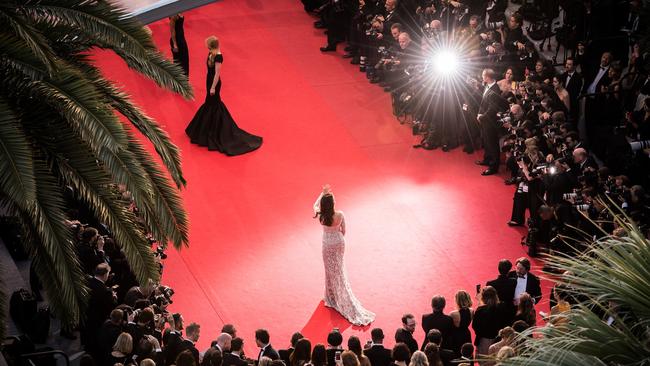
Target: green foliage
column 613, row 279
column 59, row 127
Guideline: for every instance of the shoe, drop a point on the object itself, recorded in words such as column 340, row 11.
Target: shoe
column 328, row 48
column 348, row 55
column 445, row 148
column 514, row 223
column 375, row 80
column 319, row 25
column 388, row 89
column 481, row 162
column 362, row 68
column 355, row 61
column 468, row 150
column 488, row 172
column 510, row 181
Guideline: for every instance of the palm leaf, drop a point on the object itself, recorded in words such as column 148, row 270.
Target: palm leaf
column 168, row 205
column 149, row 128
column 16, row 166
column 50, row 247
column 108, row 27
column 37, row 44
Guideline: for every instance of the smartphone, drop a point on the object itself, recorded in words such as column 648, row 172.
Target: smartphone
column 337, row 356
column 478, row 288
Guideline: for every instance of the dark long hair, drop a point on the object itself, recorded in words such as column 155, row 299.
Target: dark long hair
column 326, row 214
column 302, row 352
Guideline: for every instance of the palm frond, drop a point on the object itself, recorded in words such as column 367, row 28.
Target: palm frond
column 83, row 106
column 78, row 167
column 168, row 204
column 613, row 277
column 51, row 248
column 16, row 165
column 119, row 100
column 108, row 27
column 30, row 35
column 17, row 61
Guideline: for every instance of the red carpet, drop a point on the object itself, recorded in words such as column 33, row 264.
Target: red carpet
column 420, row 223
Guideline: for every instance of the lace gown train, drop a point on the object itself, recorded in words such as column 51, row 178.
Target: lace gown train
column 338, row 293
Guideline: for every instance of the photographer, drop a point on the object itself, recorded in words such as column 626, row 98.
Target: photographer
column 337, row 16
column 385, row 53
column 529, row 189
column 90, row 250
column 406, row 56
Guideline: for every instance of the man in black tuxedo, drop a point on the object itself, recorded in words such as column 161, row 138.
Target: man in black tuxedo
column 438, row 320
column 286, row 353
column 405, row 333
column 582, row 162
column 262, row 339
column 334, row 341
column 101, row 301
column 526, row 281
column 172, row 338
column 572, row 81
column 192, row 333
column 234, row 357
column 222, row 343
column 505, row 286
column 377, row 353
column 109, row 332
column 594, row 82
column 491, row 103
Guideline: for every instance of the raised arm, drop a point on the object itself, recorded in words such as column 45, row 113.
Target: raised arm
column 317, row 204
column 172, row 30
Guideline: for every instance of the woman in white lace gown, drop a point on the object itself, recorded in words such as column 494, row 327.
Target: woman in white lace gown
column 338, row 294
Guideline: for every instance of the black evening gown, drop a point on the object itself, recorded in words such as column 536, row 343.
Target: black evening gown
column 214, row 127
column 182, row 57
column 462, row 335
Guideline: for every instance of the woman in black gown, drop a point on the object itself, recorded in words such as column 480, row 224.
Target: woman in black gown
column 180, row 53
column 212, row 126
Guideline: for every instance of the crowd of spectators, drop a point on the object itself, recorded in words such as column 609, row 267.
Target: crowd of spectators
column 568, row 133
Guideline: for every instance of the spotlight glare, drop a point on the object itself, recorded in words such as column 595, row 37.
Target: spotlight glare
column 446, row 62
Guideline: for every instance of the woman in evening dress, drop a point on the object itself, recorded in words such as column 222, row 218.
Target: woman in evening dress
column 212, row 125
column 338, row 293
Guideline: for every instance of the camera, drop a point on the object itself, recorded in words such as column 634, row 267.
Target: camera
column 639, row 145
column 167, row 292
column 160, row 252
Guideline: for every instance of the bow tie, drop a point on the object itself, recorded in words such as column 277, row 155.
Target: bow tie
column 520, row 276
column 603, row 68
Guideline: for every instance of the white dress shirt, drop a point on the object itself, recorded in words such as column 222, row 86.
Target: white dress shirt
column 521, row 287
column 601, row 72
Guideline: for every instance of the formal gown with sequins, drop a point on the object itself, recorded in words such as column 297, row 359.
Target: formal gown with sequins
column 338, row 293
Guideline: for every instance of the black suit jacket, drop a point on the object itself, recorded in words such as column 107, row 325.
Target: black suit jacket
column 107, row 336
column 187, row 344
column 231, row 360
column 100, row 304
column 285, row 354
column 171, row 342
column 269, row 352
column 331, row 353
column 404, row 336
column 378, row 355
column 491, row 103
column 533, row 286
column 505, row 286
column 575, row 85
column 439, row 321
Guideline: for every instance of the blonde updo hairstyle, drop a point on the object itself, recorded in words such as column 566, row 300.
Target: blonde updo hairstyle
column 212, row 43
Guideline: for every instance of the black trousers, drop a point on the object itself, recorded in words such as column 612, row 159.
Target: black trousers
column 490, row 136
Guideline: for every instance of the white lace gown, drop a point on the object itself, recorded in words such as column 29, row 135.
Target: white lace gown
column 338, row 293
